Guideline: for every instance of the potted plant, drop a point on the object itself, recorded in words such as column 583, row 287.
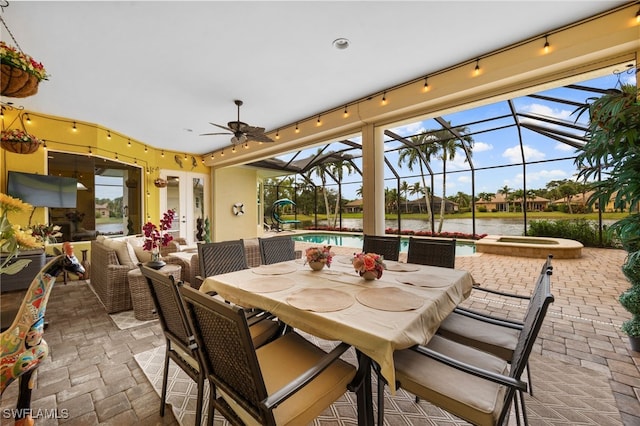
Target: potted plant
column 21, row 74
column 156, row 237
column 613, row 149
column 19, row 141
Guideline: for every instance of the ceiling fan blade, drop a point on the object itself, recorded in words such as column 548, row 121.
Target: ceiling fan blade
column 222, row 127
column 258, row 137
column 211, row 134
column 253, row 130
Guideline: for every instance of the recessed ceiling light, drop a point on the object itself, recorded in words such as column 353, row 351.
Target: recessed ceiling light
column 341, row 43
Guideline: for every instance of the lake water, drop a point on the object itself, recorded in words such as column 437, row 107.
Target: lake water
column 499, row 226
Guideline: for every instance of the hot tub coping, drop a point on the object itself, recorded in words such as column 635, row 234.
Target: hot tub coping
column 560, row 248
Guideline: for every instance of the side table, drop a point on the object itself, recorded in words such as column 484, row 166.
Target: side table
column 143, row 307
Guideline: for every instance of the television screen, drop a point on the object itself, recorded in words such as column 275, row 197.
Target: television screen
column 43, row 190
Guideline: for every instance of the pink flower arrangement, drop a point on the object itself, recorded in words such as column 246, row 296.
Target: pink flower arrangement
column 368, row 262
column 317, row 254
column 156, row 237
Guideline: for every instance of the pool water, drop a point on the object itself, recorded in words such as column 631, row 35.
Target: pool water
column 463, row 248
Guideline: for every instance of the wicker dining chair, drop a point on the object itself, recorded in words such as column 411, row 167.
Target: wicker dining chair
column 387, row 246
column 472, row 384
column 496, row 335
column 277, row 249
column 426, row 251
column 287, row 381
column 221, row 257
column 229, row 256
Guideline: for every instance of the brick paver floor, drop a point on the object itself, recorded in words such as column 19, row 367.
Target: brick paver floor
column 91, row 371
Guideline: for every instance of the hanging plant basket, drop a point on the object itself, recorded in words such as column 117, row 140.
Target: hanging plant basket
column 160, row 183
column 19, row 141
column 21, row 74
column 17, row 83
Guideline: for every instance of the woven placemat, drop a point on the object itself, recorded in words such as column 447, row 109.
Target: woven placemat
column 274, row 269
column 267, row 284
column 389, row 299
column 401, row 267
column 321, row 300
column 422, row 280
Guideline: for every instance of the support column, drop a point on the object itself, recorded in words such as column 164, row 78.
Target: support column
column 373, row 180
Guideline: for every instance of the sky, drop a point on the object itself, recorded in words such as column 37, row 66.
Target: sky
column 496, row 154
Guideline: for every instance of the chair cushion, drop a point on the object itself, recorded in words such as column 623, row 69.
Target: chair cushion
column 284, row 359
column 124, row 252
column 495, row 339
column 263, row 331
column 471, row 398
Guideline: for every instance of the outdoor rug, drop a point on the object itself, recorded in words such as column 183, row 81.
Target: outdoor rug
column 563, row 395
column 123, row 320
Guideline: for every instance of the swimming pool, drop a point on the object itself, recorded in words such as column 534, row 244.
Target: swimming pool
column 463, row 248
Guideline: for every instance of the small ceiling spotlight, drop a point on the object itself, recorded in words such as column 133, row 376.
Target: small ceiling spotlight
column 129, row 143
column 74, row 128
column 546, row 44
column 146, row 149
column 319, row 122
column 44, row 145
column 297, row 129
column 90, row 152
column 28, row 118
column 476, row 70
column 638, row 16
column 384, row 98
column 346, row 113
column 426, row 85
column 162, row 154
column 108, row 134
column 212, row 155
column 246, row 145
column 341, row 43
column 233, row 149
column 222, row 153
column 278, row 134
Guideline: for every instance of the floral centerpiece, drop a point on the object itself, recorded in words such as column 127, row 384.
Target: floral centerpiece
column 317, row 257
column 12, row 238
column 368, row 265
column 21, row 74
column 156, row 237
column 47, row 234
column 19, row 141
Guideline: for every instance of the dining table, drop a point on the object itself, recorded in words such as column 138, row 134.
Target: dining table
column 401, row 309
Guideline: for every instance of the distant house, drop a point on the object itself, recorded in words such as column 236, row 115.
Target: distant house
column 500, row 203
column 582, row 199
column 354, row 206
column 420, row 205
column 102, row 210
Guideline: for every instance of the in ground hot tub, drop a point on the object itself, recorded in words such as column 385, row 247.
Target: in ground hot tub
column 538, row 247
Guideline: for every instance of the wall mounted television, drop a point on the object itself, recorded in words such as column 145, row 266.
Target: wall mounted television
column 43, row 190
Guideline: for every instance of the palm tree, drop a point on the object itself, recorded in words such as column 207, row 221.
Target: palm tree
column 337, row 169
column 411, row 156
column 446, row 145
column 404, row 189
column 505, row 190
column 320, row 171
column 416, row 189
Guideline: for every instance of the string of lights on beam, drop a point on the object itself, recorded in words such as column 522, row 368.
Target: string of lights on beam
column 75, row 127
column 423, row 82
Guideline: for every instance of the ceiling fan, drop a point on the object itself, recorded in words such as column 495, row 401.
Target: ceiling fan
column 241, row 132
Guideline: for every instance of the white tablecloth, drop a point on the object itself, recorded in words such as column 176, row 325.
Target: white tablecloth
column 375, row 332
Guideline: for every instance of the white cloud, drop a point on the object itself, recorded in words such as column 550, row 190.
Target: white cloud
column 537, row 179
column 563, row 114
column 482, row 146
column 409, row 129
column 514, row 155
column 464, row 179
column 564, row 147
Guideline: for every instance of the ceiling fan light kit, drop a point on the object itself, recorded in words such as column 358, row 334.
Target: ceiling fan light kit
column 240, row 131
